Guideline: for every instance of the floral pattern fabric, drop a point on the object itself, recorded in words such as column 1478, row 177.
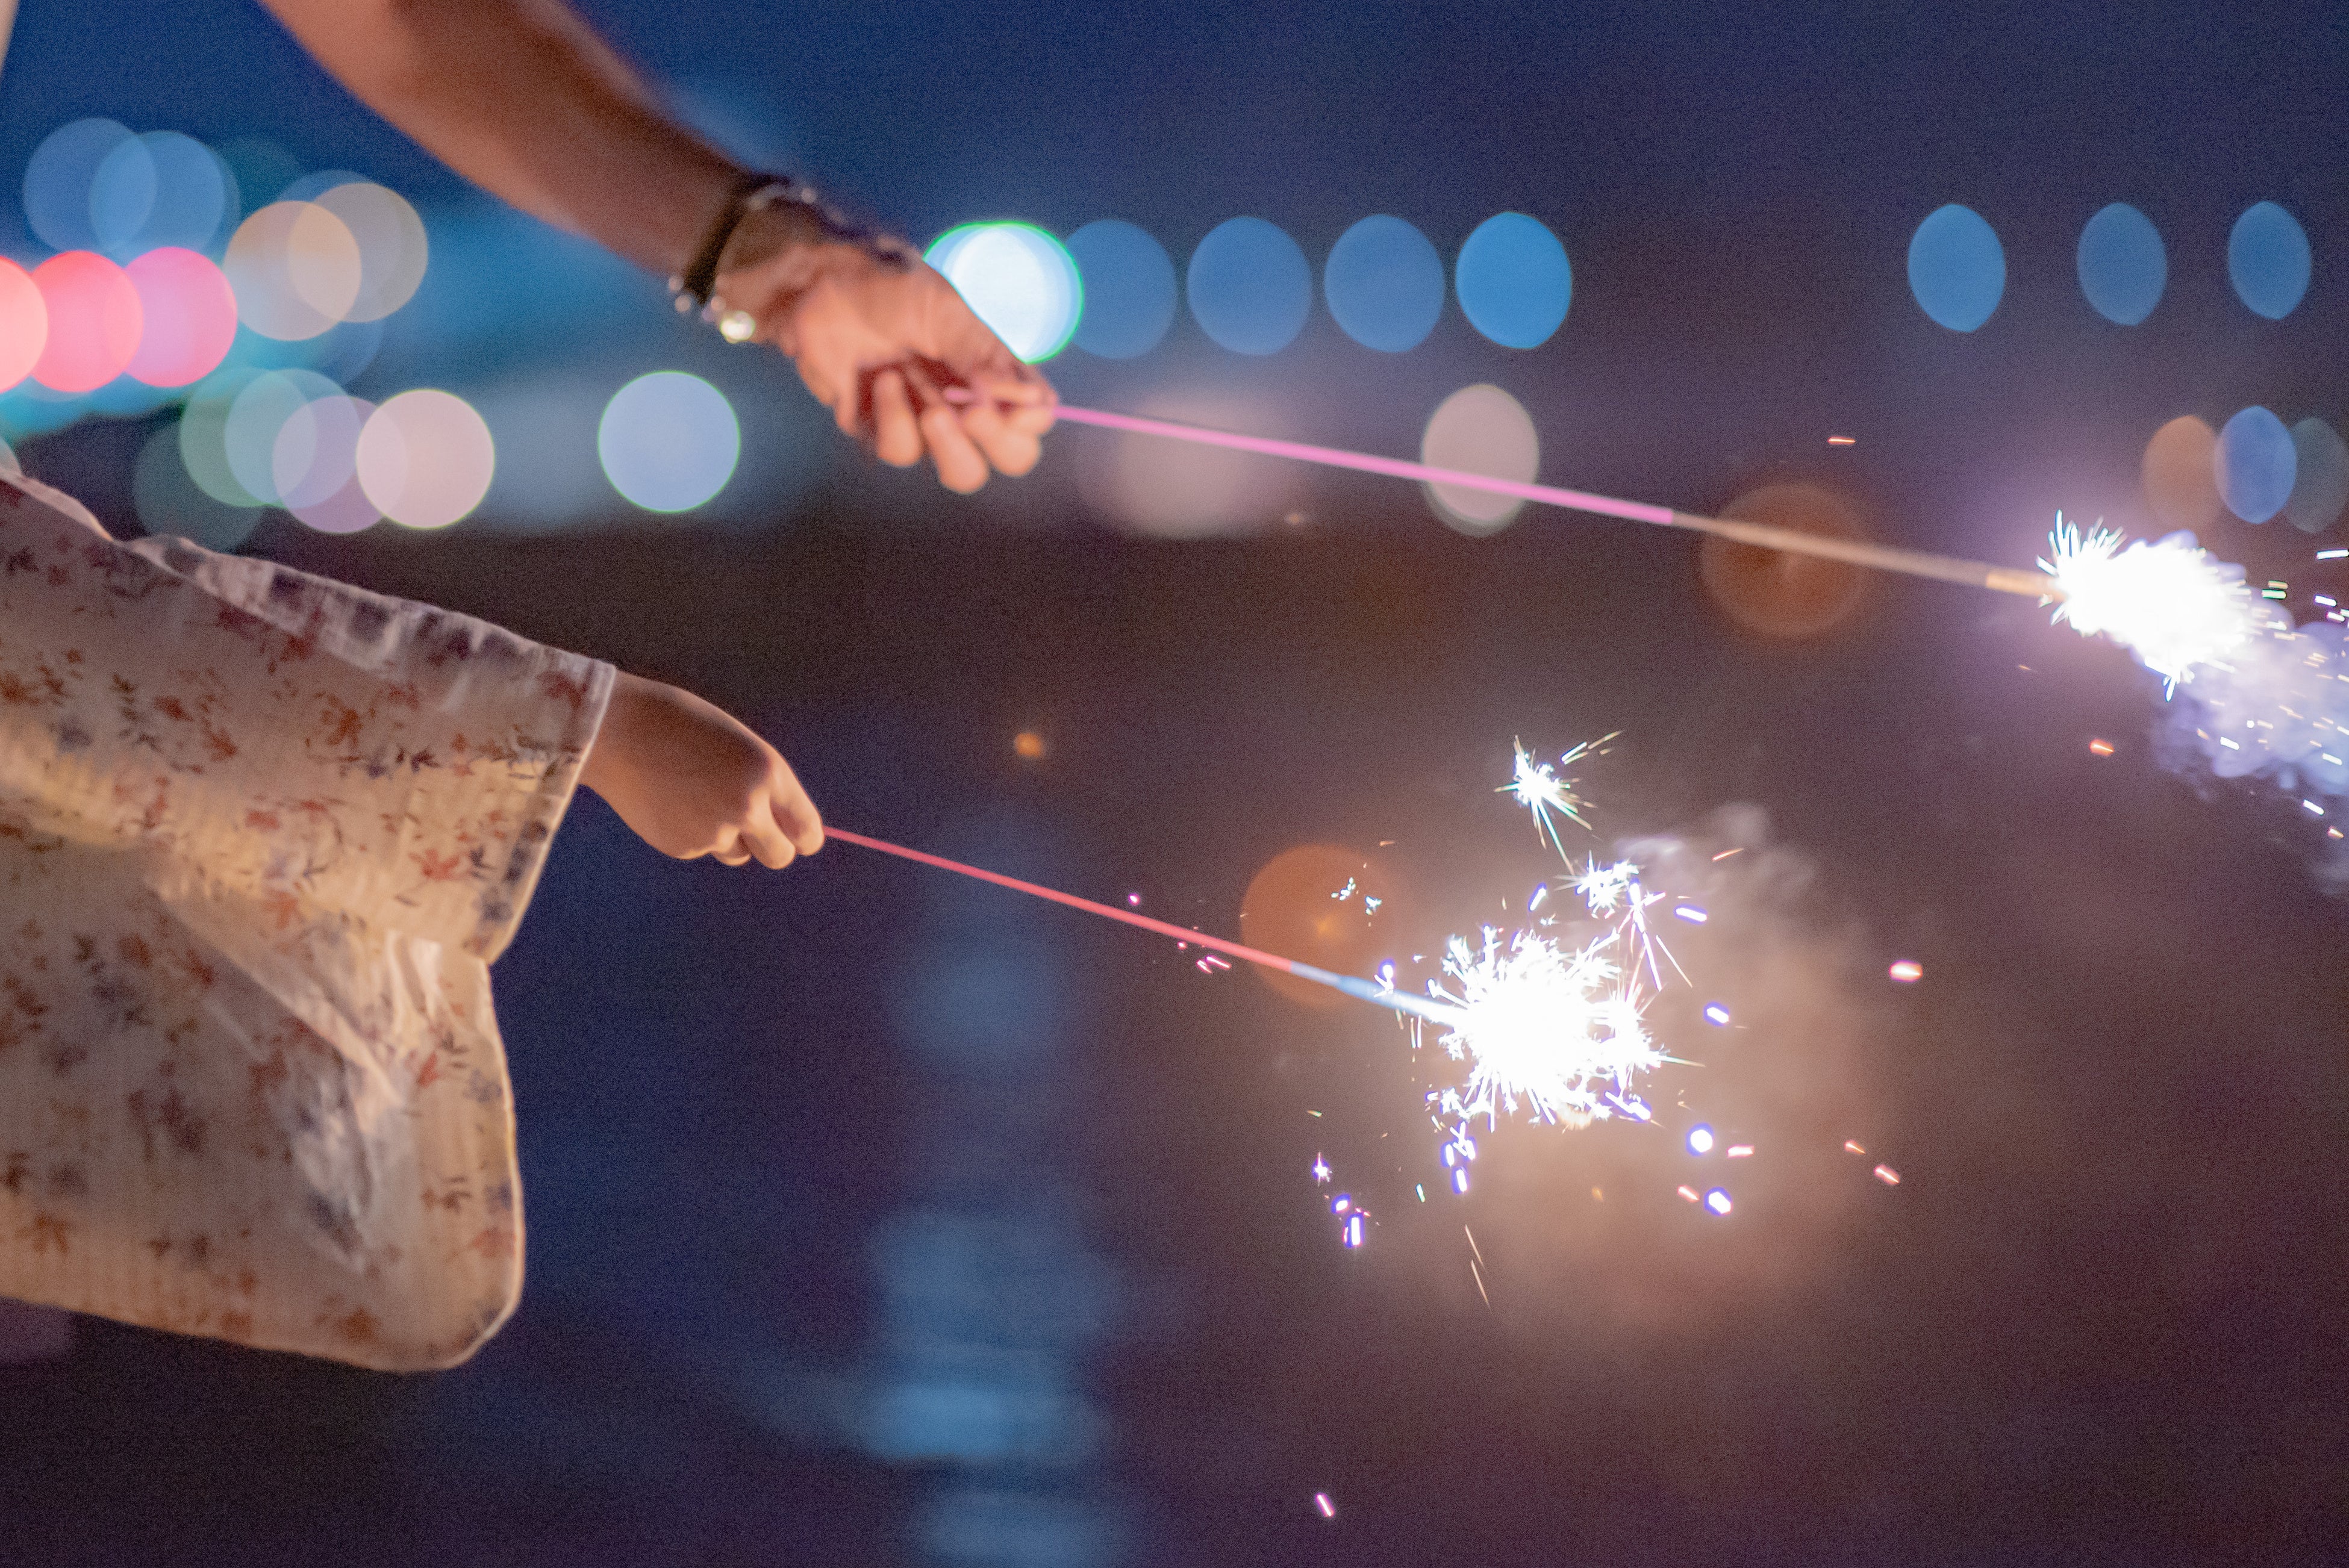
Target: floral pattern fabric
column 261, row 835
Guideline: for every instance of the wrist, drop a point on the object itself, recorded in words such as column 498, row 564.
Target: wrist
column 607, row 758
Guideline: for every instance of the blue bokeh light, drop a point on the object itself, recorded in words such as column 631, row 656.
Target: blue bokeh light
column 2320, row 486
column 1249, row 286
column 1514, row 281
column 2123, row 267
column 1129, row 289
column 2268, row 260
column 1384, row 285
column 2257, row 464
column 1957, row 269
column 669, row 441
column 58, row 178
column 1699, row 1139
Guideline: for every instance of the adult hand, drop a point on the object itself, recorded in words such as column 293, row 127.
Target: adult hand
column 691, row 780
column 885, row 342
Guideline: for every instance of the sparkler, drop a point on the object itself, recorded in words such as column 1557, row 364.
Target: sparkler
column 1372, row 991
column 1769, row 536
column 1540, row 1024
column 2172, row 603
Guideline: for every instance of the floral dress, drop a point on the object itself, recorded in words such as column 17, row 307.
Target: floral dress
column 261, row 835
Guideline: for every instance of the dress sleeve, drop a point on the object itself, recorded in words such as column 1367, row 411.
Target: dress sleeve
column 278, row 737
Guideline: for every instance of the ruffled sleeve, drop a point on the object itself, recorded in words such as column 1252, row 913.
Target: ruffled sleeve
column 260, row 835
column 297, row 739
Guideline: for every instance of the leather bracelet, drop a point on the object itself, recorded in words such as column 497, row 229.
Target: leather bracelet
column 692, row 288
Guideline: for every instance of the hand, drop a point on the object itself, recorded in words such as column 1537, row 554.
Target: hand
column 880, row 338
column 692, row 780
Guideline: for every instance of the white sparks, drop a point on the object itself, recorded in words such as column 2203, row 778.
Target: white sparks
column 1603, row 888
column 2173, row 605
column 1547, row 794
column 1555, row 1030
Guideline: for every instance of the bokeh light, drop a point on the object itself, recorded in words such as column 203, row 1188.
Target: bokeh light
column 393, row 248
column 1129, row 284
column 188, row 317
column 2256, row 463
column 295, row 269
column 59, row 178
column 1699, row 1139
column 1016, row 278
column 669, row 441
column 95, row 321
column 24, row 323
column 203, row 437
column 1249, row 286
column 169, row 501
column 1774, row 592
column 425, row 458
column 195, row 195
column 1957, row 269
column 122, row 195
column 314, row 464
column 1172, row 490
column 1718, row 1202
column 1514, row 281
column 2268, row 260
column 2179, row 472
column 1297, row 905
column 1479, row 429
column 2321, row 489
column 259, row 411
column 2123, row 267
column 1905, row 972
column 1384, row 285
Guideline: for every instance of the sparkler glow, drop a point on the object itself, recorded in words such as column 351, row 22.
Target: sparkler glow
column 1556, row 1030
column 2173, row 605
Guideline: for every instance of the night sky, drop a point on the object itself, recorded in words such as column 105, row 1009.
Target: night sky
column 880, row 1218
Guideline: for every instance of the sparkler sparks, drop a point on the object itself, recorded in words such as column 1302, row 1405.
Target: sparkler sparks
column 2171, row 603
column 1547, row 793
column 1554, row 1030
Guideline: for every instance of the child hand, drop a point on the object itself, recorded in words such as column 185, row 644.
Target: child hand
column 690, row 780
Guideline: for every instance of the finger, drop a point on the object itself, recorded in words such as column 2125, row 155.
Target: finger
column 961, row 468
column 1012, row 450
column 897, row 434
column 1012, row 385
column 764, row 840
column 730, row 850
column 795, row 814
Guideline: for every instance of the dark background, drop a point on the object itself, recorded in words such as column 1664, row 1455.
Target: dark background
column 877, row 1218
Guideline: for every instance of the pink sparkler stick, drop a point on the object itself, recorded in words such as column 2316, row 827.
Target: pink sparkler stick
column 1859, row 552
column 1352, row 985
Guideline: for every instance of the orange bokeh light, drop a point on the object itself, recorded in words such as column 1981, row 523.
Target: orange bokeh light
column 1320, row 904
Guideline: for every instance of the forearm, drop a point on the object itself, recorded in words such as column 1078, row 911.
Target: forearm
column 524, row 99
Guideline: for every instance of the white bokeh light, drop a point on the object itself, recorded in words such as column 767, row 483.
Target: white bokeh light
column 669, row 441
column 1480, row 430
column 1018, row 280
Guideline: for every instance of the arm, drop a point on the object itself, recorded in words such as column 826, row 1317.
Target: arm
column 523, row 98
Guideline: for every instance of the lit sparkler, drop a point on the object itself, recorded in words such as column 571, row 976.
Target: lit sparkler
column 2173, row 605
column 1556, row 1029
